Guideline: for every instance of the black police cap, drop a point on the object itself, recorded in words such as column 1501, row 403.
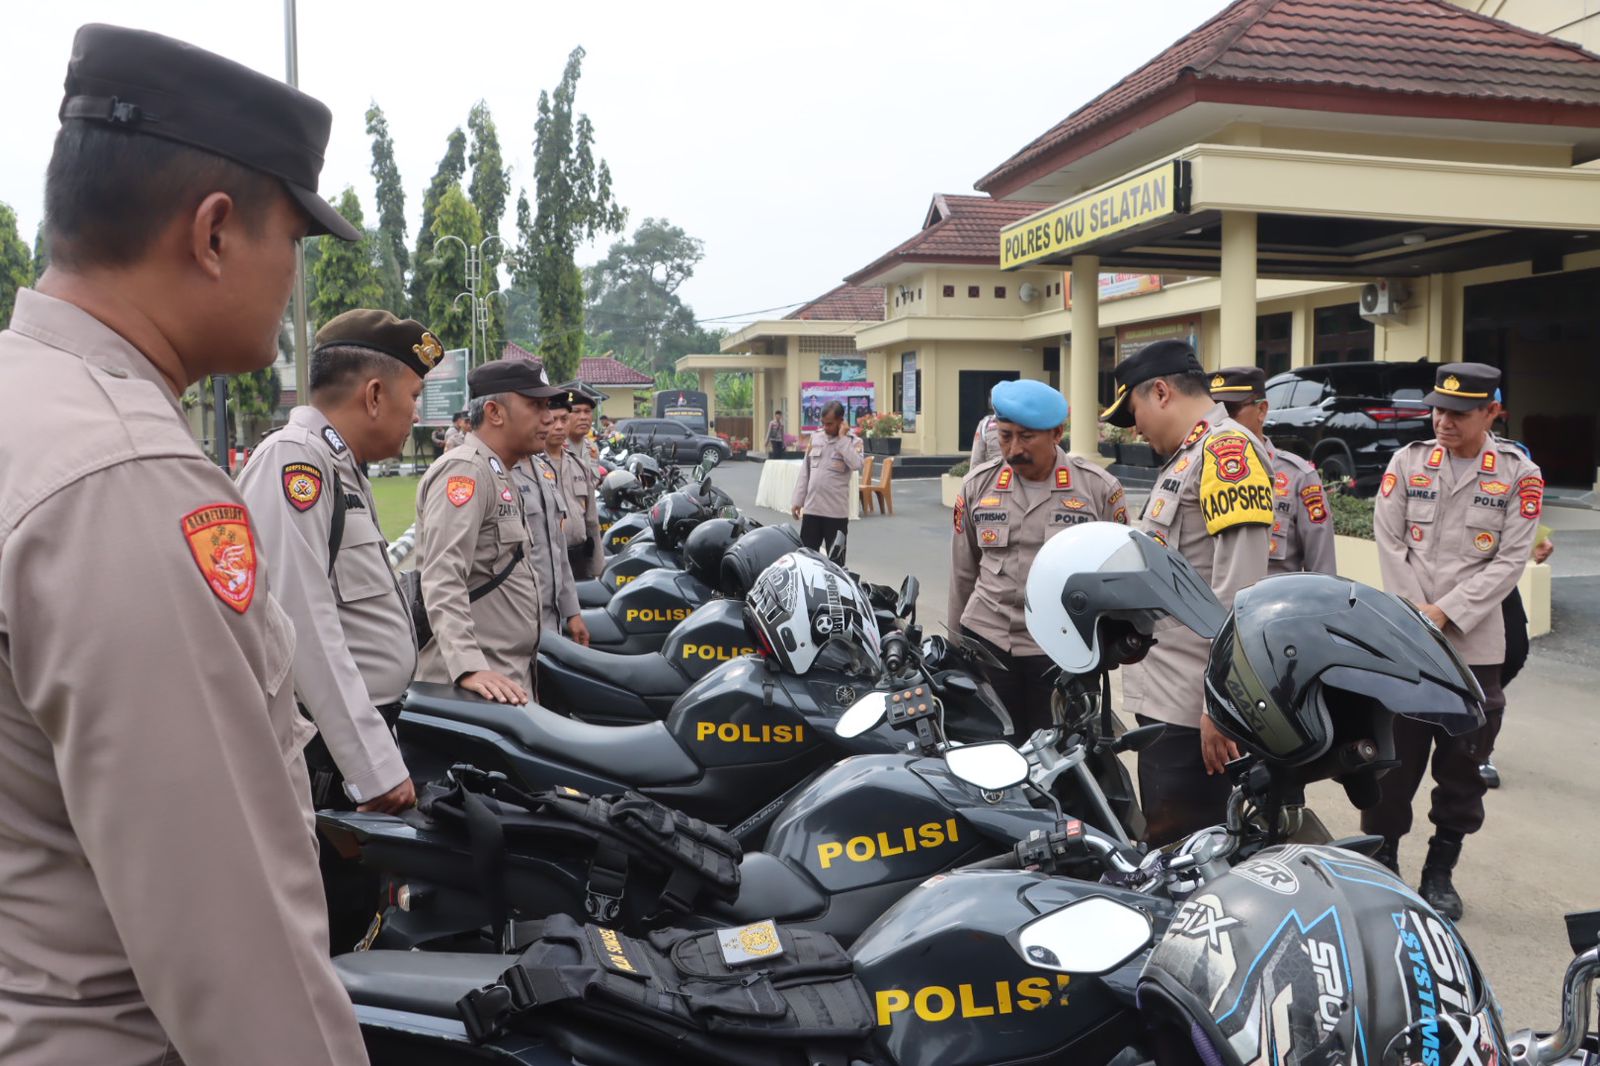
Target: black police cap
column 1238, row 384
column 581, row 393
column 1463, row 386
column 511, row 375
column 1152, row 361
column 404, row 339
column 154, row 86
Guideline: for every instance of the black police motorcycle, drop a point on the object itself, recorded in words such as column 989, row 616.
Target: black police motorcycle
column 670, row 520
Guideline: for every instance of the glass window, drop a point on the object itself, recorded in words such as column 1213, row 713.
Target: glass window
column 1278, row 395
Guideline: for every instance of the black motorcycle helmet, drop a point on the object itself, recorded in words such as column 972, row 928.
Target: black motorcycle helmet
column 705, row 546
column 618, row 489
column 674, row 515
column 753, row 553
column 1309, row 670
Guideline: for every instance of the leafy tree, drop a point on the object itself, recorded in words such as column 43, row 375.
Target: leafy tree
column 41, row 252
column 393, row 256
column 346, row 273
column 448, row 176
column 446, row 271
column 735, row 393
column 491, row 185
column 16, row 263
column 573, row 204
column 633, row 291
column 252, row 401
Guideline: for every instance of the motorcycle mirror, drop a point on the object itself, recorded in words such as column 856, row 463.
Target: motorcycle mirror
column 1091, row 935
column 993, row 767
column 1141, row 738
column 983, row 656
column 863, row 715
column 908, row 597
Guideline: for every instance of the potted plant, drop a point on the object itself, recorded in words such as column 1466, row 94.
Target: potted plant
column 950, row 482
column 1112, row 438
column 1131, row 451
column 882, row 433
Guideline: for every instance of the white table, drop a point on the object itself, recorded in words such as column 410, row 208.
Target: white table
column 778, row 477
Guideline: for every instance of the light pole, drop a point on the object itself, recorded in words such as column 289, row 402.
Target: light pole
column 480, row 304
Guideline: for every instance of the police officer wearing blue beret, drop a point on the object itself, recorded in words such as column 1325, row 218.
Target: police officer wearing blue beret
column 1007, row 509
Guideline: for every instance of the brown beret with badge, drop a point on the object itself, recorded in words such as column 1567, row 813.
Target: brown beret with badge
column 402, row 339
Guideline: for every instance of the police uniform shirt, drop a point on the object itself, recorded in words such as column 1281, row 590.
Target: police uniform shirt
column 151, row 779
column 1457, row 535
column 1302, row 531
column 1213, row 504
column 357, row 651
column 454, row 438
column 577, row 482
column 1001, row 522
column 823, row 487
column 469, row 525
column 541, row 498
column 985, row 443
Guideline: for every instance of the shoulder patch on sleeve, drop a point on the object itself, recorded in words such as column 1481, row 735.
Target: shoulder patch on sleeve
column 1530, row 495
column 302, row 485
column 1234, row 488
column 960, row 510
column 1389, row 482
column 219, row 538
column 458, row 489
column 1315, row 502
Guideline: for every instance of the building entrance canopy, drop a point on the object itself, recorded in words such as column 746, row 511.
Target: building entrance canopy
column 1318, row 215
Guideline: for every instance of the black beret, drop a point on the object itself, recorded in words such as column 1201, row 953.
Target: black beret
column 1238, row 384
column 406, row 340
column 1156, row 360
column 156, row 86
column 512, row 375
column 581, row 393
column 1463, row 386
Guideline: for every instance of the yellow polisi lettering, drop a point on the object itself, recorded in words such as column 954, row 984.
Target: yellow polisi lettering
column 713, row 653
column 656, row 614
column 745, row 733
column 623, row 579
column 889, row 843
column 968, row 1002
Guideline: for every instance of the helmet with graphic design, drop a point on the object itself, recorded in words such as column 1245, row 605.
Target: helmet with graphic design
column 751, row 554
column 675, row 514
column 1096, row 591
column 1309, row 670
column 806, row 611
column 1312, row 956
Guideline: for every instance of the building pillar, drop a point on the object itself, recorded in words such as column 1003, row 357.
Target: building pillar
column 1238, row 312
column 1082, row 370
column 1301, row 335
column 708, row 385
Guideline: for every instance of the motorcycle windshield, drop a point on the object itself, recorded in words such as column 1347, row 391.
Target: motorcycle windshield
column 1422, row 700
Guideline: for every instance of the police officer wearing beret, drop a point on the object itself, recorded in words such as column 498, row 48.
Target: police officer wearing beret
column 161, row 893
column 1454, row 521
column 578, row 479
column 478, row 582
column 538, row 478
column 1007, row 509
column 1302, row 531
column 1212, row 504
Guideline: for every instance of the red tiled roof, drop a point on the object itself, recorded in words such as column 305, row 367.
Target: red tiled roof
column 957, row 229
column 513, row 350
column 604, row 370
column 1394, row 48
column 846, row 303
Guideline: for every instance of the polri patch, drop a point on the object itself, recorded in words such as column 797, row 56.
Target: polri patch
column 458, row 490
column 302, row 485
column 1389, row 482
column 1315, row 503
column 1483, row 541
column 335, row 441
column 219, row 538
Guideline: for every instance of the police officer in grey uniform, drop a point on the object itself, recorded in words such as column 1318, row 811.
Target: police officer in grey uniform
column 161, row 898
column 1007, row 509
column 1302, row 531
column 319, row 529
column 1455, row 521
column 1212, row 504
column 537, row 478
column 480, row 588
column 578, row 480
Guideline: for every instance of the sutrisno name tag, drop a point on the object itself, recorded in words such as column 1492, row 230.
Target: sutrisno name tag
column 750, row 943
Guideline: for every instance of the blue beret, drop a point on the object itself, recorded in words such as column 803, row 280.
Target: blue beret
column 1030, row 404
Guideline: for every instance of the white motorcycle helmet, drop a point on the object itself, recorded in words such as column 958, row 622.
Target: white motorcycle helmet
column 1097, row 581
column 805, row 610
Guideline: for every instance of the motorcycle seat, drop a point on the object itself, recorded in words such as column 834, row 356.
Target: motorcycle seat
column 592, row 594
column 637, row 755
column 770, row 888
column 644, row 675
column 603, row 629
column 419, row 982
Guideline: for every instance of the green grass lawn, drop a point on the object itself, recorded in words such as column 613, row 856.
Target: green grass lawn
column 396, row 498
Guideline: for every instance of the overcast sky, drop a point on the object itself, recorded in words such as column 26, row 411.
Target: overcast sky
column 799, row 141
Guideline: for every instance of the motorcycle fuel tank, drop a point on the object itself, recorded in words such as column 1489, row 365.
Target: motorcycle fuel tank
column 639, row 617
column 713, row 634
column 947, row 986
column 635, row 560
column 616, row 535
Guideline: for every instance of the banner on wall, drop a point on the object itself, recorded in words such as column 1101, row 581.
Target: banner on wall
column 908, row 389
column 1114, row 286
column 1133, row 338
column 842, row 368
column 858, row 398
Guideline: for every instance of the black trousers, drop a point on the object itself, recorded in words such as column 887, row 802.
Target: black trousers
column 1024, row 687
column 1458, row 788
column 818, row 532
column 774, row 449
column 581, row 557
column 1176, row 793
column 1516, row 620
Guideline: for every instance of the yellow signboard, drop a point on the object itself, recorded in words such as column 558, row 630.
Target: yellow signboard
column 1131, row 203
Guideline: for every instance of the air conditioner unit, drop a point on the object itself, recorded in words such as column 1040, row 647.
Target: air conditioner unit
column 1028, row 293
column 1383, row 300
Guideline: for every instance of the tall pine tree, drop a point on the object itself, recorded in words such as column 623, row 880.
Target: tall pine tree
column 345, row 273
column 394, row 257
column 451, row 169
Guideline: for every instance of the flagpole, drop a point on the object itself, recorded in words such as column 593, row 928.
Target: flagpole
column 302, row 362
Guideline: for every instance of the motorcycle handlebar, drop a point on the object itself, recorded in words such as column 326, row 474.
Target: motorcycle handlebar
column 1006, row 860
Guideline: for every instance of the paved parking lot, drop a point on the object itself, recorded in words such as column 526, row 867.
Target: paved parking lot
column 1537, row 858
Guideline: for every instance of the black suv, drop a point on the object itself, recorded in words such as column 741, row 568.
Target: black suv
column 677, row 442
column 1350, row 418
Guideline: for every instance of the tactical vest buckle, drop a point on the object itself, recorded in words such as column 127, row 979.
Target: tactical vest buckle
column 484, row 1010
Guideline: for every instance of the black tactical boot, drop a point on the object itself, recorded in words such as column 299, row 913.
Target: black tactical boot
column 1389, row 854
column 1436, row 888
column 1491, row 776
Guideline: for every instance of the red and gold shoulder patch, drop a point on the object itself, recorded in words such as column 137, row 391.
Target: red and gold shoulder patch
column 1231, row 451
column 1121, row 515
column 1063, row 477
column 961, row 510
column 1489, row 461
column 1196, row 433
column 1530, row 491
column 459, row 489
column 1003, row 482
column 219, row 538
column 1280, row 483
column 1483, row 541
column 1436, row 458
column 302, row 485
column 1316, row 505
column 1494, row 488
column 1388, row 484
column 1420, row 481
